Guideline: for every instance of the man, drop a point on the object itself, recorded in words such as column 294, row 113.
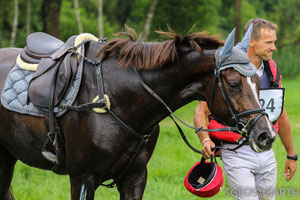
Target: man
column 252, row 175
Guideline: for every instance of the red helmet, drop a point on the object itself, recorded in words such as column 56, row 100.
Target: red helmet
column 205, row 179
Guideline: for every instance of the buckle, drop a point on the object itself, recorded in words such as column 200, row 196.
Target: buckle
column 243, row 129
column 146, row 138
column 64, row 106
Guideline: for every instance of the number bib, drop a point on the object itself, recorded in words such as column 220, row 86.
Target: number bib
column 272, row 100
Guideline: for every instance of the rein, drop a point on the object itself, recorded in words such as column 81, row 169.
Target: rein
column 241, row 128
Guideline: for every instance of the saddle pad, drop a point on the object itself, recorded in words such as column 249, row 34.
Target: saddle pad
column 14, row 95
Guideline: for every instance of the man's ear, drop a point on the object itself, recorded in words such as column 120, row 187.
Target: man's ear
column 252, row 42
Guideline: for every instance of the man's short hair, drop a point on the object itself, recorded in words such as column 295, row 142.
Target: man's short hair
column 259, row 23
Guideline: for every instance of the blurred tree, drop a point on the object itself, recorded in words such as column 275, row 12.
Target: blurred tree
column 15, row 23
column 50, row 16
column 100, row 18
column 181, row 15
column 237, row 20
column 28, row 17
column 1, row 23
column 123, row 11
column 288, row 20
column 118, row 11
column 76, row 8
column 149, row 20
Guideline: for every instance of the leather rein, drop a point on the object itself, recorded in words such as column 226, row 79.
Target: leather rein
column 243, row 129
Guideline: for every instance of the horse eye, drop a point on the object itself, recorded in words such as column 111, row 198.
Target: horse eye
column 234, row 87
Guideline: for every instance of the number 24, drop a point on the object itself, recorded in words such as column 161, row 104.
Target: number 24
column 270, row 104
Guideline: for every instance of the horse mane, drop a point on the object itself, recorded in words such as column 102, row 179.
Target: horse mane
column 153, row 55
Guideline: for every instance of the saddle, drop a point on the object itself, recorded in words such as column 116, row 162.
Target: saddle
column 56, row 67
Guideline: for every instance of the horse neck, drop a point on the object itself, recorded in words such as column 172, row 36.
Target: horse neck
column 132, row 102
column 173, row 84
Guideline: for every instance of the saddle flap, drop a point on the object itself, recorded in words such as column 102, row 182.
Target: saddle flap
column 40, row 85
column 59, row 74
column 64, row 77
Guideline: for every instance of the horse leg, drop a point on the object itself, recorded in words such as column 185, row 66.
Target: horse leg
column 6, row 172
column 133, row 185
column 82, row 188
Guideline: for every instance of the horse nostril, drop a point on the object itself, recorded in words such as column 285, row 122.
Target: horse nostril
column 263, row 138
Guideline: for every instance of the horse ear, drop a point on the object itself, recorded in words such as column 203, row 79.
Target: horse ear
column 226, row 51
column 244, row 44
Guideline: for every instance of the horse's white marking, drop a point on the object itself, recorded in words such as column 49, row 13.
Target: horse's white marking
column 255, row 94
column 253, row 89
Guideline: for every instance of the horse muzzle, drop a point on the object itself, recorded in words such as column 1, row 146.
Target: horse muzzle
column 261, row 141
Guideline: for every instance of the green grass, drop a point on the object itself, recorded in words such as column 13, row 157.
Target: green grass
column 168, row 166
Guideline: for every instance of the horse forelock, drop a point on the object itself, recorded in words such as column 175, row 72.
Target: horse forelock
column 154, row 55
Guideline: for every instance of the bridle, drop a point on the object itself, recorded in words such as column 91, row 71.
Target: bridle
column 243, row 129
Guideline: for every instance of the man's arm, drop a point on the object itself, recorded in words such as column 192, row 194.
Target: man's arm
column 285, row 134
column 200, row 120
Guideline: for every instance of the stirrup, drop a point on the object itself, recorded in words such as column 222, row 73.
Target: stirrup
column 50, row 156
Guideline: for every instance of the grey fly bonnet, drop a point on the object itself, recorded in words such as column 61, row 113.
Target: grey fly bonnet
column 235, row 57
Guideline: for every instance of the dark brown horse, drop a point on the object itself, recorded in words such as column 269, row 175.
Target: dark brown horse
column 97, row 148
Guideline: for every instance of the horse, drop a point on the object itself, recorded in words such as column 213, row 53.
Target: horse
column 97, row 148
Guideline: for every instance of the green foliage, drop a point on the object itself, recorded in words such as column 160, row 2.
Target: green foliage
column 138, row 15
column 89, row 19
column 182, row 15
column 6, row 20
column 288, row 21
column 288, row 61
column 214, row 16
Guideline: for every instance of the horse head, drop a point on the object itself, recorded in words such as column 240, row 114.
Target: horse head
column 238, row 87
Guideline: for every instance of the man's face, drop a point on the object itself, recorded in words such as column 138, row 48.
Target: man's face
column 265, row 45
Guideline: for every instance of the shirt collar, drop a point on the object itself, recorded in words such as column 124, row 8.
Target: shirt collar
column 260, row 70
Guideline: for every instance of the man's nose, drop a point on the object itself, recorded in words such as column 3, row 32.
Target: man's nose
column 273, row 47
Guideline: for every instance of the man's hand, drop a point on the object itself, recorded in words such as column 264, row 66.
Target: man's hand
column 206, row 148
column 290, row 169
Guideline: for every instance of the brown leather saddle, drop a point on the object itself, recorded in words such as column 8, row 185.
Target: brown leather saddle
column 56, row 67
column 55, row 71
